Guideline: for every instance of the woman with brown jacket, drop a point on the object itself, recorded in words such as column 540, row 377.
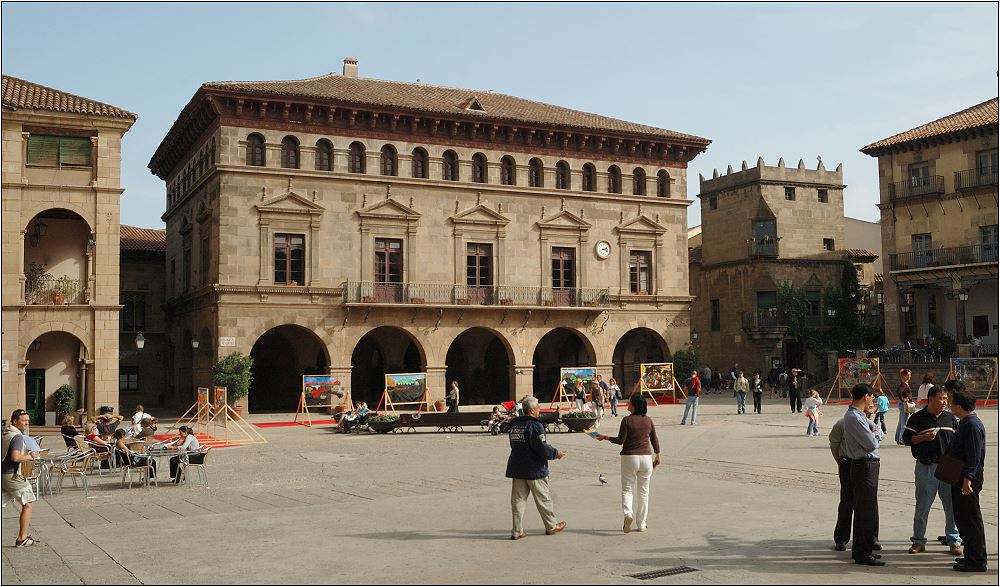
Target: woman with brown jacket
column 640, row 455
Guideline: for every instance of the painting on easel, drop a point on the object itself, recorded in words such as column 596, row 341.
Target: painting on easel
column 570, row 375
column 406, row 388
column 322, row 391
column 978, row 374
column 854, row 371
column 656, row 377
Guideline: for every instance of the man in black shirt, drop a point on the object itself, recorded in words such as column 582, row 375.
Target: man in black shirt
column 969, row 446
column 928, row 433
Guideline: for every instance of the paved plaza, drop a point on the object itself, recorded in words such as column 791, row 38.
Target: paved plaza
column 742, row 499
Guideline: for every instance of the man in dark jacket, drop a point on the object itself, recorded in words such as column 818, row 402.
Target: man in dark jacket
column 969, row 446
column 528, row 467
column 928, row 433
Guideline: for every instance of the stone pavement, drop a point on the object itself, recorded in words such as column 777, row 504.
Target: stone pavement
column 743, row 499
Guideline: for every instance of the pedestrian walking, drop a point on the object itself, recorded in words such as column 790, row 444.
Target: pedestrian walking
column 579, row 396
column 782, row 383
column 693, row 395
column 597, row 401
column 906, row 405
column 614, row 394
column 882, row 401
column 528, row 469
column 794, row 401
column 741, row 387
column 640, row 454
column 969, row 446
column 15, row 487
column 861, row 441
column 929, row 433
column 757, row 389
column 812, row 404
column 925, row 385
column 453, row 397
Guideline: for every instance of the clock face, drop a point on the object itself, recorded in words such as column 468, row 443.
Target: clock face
column 603, row 249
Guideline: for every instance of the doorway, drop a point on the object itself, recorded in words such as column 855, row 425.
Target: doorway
column 35, row 395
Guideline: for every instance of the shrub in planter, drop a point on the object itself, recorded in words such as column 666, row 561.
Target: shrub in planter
column 579, row 414
column 64, row 396
column 578, row 420
column 233, row 373
column 383, row 423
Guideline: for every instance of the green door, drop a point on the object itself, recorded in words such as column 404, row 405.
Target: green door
column 35, row 395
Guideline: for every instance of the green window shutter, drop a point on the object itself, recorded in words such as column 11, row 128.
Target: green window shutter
column 43, row 150
column 74, row 151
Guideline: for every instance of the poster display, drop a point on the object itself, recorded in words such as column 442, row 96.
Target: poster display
column 656, row 376
column 568, row 376
column 855, row 371
column 406, row 388
column 322, row 391
column 220, row 396
column 202, row 396
column 978, row 374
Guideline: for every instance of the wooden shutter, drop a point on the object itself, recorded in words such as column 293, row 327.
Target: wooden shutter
column 43, row 150
column 74, row 152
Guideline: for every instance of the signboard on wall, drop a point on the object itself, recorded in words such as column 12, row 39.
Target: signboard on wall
column 227, row 341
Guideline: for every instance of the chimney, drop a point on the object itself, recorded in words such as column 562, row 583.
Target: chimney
column 350, row 67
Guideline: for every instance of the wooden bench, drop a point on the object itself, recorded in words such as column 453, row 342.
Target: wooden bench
column 443, row 421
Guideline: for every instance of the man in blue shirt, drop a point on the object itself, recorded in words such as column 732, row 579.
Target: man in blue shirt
column 861, row 441
column 528, row 468
column 969, row 446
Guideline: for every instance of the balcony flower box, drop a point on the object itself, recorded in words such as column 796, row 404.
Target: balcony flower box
column 590, row 304
column 548, row 302
column 368, row 299
column 506, row 302
column 417, row 300
column 462, row 301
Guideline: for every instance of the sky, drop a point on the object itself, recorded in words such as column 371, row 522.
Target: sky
column 791, row 80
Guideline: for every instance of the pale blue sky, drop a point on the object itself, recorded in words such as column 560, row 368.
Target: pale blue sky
column 775, row 80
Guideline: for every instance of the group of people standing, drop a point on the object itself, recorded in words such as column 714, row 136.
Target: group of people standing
column 932, row 433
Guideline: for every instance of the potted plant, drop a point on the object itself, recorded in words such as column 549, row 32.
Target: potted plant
column 233, row 373
column 64, row 396
column 383, row 423
column 64, row 286
column 35, row 277
column 578, row 420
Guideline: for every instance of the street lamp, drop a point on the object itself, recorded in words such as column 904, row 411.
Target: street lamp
column 140, row 341
column 694, row 335
column 194, row 343
column 963, row 295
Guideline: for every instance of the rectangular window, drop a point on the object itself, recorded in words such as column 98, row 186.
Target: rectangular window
column 133, row 316
column 204, row 259
column 986, row 164
column 289, row 258
column 828, row 244
column 922, row 254
column 640, row 270
column 812, row 298
column 790, row 194
column 128, row 379
column 980, row 326
column 388, row 260
column 920, row 175
column 767, row 300
column 988, row 243
column 563, row 267
column 187, row 269
column 479, row 264
column 49, row 151
column 716, row 315
column 713, row 203
column 860, row 270
column 823, row 195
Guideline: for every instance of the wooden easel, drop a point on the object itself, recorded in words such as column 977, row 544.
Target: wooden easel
column 386, row 399
column 878, row 383
column 993, row 384
column 303, row 407
column 561, row 395
column 220, row 421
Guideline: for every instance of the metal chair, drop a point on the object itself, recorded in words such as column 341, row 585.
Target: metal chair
column 145, row 470
column 185, row 464
column 77, row 467
column 100, row 457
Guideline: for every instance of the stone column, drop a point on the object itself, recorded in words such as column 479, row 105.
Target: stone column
column 436, row 383
column 524, row 381
column 344, row 375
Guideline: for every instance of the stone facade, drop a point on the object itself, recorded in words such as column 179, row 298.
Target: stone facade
column 763, row 226
column 502, row 338
column 60, row 215
column 938, row 203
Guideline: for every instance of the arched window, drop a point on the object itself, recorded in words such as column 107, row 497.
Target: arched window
column 589, row 178
column 387, row 160
column 479, row 168
column 449, row 166
column 638, row 181
column 536, row 173
column 562, row 175
column 324, row 155
column 420, row 163
column 508, row 170
column 663, row 184
column 614, row 180
column 290, row 153
column 255, row 150
column 356, row 158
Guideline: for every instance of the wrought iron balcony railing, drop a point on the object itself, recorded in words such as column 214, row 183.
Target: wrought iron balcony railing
column 367, row 292
column 916, row 186
column 760, row 248
column 973, row 178
column 964, row 255
column 775, row 318
column 49, row 291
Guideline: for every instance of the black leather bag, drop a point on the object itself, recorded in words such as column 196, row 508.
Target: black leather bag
column 949, row 469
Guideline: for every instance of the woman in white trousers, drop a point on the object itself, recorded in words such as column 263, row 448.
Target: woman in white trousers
column 640, row 455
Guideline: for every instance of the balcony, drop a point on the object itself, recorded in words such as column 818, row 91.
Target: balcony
column 441, row 294
column 974, row 178
column 964, row 255
column 917, row 186
column 48, row 291
column 762, row 248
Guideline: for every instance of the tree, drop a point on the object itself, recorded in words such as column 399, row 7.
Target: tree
column 233, row 373
column 685, row 362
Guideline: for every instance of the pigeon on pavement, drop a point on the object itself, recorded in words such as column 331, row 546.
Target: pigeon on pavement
column 602, row 479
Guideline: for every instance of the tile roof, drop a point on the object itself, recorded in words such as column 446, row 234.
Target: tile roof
column 862, row 255
column 20, row 94
column 134, row 238
column 980, row 115
column 444, row 101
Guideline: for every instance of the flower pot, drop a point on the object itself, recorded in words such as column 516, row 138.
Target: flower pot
column 440, row 405
column 578, row 424
column 383, row 427
column 58, row 298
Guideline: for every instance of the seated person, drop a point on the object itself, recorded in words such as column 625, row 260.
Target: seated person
column 189, row 445
column 128, row 456
column 363, row 413
column 107, row 422
column 495, row 418
column 97, row 443
column 145, row 428
column 69, row 432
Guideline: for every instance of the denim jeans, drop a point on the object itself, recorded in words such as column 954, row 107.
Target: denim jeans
column 903, row 418
column 812, row 427
column 691, row 402
column 927, row 485
column 741, row 402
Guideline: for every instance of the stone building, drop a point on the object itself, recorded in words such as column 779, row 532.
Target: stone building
column 61, row 186
column 938, row 202
column 360, row 227
column 145, row 356
column 762, row 226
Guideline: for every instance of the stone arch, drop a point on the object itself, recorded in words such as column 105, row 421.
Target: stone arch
column 282, row 354
column 482, row 361
column 382, row 350
column 638, row 345
column 559, row 347
column 53, row 361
